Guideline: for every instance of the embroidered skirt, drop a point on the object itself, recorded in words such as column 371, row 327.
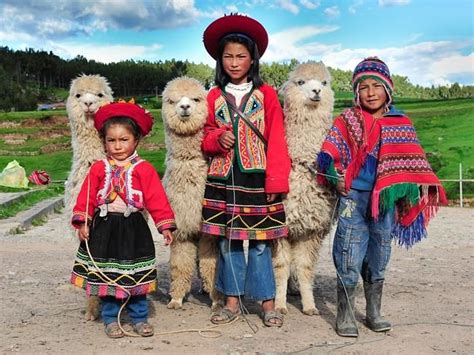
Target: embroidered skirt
column 123, row 250
column 236, row 208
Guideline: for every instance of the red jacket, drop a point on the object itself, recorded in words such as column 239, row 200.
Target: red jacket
column 264, row 110
column 138, row 185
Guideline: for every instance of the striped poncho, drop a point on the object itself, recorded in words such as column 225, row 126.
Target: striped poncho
column 403, row 173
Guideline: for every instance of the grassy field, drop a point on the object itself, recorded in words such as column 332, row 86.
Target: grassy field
column 445, row 129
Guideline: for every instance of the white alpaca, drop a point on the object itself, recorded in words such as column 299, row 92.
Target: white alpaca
column 184, row 113
column 308, row 106
column 86, row 95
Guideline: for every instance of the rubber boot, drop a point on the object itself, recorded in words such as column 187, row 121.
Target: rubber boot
column 373, row 296
column 345, row 320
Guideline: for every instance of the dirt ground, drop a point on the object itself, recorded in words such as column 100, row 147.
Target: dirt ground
column 428, row 298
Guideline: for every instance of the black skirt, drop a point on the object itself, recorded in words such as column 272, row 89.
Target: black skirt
column 123, row 250
column 236, row 208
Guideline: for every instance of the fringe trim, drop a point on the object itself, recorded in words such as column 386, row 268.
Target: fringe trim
column 409, row 235
column 390, row 195
column 325, row 165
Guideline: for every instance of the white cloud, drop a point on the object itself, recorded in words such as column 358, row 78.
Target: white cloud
column 393, row 2
column 288, row 5
column 310, row 5
column 62, row 19
column 355, row 5
column 106, row 53
column 413, row 37
column 332, row 11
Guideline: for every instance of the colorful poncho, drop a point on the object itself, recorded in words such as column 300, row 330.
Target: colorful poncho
column 403, row 172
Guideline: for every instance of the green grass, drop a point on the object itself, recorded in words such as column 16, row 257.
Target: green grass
column 445, row 129
column 30, row 200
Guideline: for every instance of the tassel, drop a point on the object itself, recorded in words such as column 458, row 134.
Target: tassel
column 409, row 235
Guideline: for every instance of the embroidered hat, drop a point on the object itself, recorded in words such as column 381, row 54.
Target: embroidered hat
column 234, row 24
column 138, row 114
column 374, row 68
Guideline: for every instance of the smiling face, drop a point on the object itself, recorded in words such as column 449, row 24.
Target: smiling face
column 236, row 62
column 372, row 96
column 120, row 143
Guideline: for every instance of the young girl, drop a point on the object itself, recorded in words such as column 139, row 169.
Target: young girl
column 249, row 167
column 112, row 198
column 386, row 186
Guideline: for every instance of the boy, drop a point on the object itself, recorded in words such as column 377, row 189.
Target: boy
column 386, row 186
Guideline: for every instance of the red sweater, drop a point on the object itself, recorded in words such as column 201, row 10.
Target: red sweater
column 138, row 185
column 277, row 165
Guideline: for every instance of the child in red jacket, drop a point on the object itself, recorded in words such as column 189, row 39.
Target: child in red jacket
column 249, row 167
column 108, row 215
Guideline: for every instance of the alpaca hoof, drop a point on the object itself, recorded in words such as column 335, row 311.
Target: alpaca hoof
column 311, row 312
column 173, row 304
column 282, row 310
column 89, row 316
column 92, row 308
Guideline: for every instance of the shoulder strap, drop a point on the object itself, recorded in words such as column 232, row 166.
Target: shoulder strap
column 246, row 120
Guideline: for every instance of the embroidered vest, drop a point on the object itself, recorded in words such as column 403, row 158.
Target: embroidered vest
column 248, row 148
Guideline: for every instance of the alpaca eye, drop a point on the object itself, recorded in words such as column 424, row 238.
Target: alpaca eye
column 196, row 99
column 171, row 102
column 324, row 82
column 300, row 82
column 78, row 96
column 100, row 95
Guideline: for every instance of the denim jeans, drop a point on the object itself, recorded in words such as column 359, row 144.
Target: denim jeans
column 137, row 308
column 362, row 245
column 254, row 279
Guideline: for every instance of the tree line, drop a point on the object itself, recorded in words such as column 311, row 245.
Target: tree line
column 27, row 77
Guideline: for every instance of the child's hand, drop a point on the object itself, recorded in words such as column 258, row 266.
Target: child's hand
column 83, row 232
column 167, row 236
column 271, row 197
column 227, row 140
column 341, row 187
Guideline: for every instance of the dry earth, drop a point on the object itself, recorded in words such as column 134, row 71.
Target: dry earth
column 428, row 297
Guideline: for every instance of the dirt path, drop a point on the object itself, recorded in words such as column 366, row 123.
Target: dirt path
column 428, row 298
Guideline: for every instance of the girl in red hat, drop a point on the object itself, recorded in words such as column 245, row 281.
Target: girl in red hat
column 108, row 215
column 249, row 167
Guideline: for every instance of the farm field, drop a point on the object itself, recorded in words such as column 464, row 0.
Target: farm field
column 41, row 140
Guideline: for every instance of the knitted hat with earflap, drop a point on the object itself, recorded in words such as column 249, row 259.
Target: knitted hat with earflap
column 373, row 68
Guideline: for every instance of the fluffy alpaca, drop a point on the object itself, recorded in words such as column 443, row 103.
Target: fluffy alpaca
column 308, row 106
column 86, row 95
column 184, row 113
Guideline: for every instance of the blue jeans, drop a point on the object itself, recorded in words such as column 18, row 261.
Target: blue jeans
column 362, row 245
column 137, row 308
column 235, row 278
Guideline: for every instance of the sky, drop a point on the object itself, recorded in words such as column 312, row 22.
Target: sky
column 429, row 41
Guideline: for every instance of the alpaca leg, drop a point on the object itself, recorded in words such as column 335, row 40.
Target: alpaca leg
column 208, row 253
column 182, row 267
column 281, row 268
column 305, row 253
column 92, row 308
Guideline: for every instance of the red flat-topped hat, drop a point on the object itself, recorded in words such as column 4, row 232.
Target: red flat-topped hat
column 138, row 114
column 238, row 24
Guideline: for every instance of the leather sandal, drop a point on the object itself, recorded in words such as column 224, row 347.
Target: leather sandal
column 144, row 329
column 272, row 319
column 113, row 330
column 224, row 316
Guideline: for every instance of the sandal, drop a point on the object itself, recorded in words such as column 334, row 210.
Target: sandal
column 273, row 319
column 113, row 330
column 224, row 316
column 144, row 329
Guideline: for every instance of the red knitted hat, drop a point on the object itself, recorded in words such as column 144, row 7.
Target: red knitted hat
column 237, row 24
column 138, row 114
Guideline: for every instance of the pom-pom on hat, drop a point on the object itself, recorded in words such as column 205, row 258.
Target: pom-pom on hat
column 374, row 68
column 138, row 114
column 234, row 24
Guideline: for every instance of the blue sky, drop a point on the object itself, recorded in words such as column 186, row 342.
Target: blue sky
column 429, row 41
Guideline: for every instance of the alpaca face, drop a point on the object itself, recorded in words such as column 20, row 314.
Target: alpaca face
column 309, row 85
column 184, row 107
column 86, row 95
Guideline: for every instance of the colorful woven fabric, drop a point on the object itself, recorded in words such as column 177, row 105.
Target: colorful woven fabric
column 39, row 177
column 400, row 159
column 372, row 68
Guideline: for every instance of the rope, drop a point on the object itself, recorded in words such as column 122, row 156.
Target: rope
column 208, row 332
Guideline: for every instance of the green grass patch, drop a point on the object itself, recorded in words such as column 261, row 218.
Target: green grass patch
column 30, row 200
